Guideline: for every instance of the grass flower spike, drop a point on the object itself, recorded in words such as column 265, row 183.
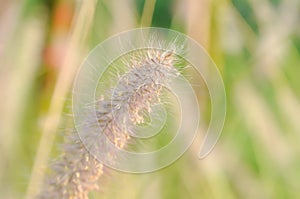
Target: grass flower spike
column 77, row 172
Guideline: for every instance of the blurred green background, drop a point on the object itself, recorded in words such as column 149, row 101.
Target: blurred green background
column 255, row 43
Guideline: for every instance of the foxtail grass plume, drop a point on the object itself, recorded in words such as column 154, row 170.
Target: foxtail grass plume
column 77, row 172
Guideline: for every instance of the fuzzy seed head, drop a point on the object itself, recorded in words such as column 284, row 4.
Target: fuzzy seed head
column 77, row 172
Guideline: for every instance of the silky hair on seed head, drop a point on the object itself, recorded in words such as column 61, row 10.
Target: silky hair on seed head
column 77, row 172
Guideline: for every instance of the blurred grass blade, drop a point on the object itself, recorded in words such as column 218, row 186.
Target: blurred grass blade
column 80, row 28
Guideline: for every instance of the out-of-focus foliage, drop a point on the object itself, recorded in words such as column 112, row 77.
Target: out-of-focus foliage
column 256, row 45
